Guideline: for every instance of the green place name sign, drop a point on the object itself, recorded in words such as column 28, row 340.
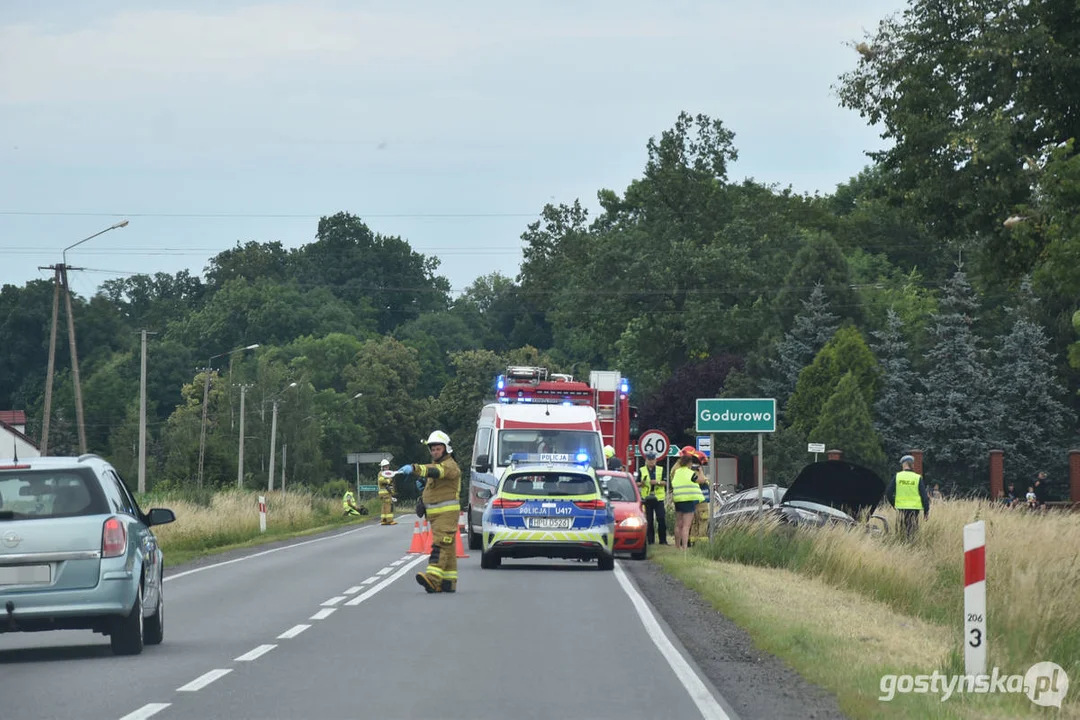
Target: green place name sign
column 736, row 415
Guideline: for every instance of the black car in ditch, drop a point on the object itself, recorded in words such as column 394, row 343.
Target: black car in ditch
column 826, row 492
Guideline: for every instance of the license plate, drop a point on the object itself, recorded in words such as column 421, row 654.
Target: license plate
column 26, row 575
column 551, row 523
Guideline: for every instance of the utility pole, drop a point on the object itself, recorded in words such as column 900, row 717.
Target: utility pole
column 52, row 364
column 240, row 452
column 60, row 277
column 202, row 425
column 142, row 414
column 284, row 455
column 273, row 448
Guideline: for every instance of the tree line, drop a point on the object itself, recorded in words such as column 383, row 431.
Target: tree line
column 930, row 301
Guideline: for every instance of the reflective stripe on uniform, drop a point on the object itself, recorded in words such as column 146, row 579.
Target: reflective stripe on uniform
column 435, row 571
column 442, row 507
column 684, row 487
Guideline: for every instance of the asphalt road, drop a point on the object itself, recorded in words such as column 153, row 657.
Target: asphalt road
column 336, row 627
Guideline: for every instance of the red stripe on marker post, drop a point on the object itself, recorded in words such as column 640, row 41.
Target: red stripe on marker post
column 975, row 565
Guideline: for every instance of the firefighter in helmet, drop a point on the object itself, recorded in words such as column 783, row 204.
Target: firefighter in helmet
column 699, row 528
column 386, row 493
column 441, row 485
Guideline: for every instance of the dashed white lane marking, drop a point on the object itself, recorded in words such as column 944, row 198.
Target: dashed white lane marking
column 385, row 583
column 369, row 580
column 265, row 552
column 354, row 589
column 383, row 571
column 292, row 632
column 708, row 706
column 323, row 614
column 255, row 654
column 203, row 680
column 333, row 601
column 146, row 711
column 397, row 562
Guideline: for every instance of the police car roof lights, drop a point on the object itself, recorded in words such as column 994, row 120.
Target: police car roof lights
column 579, row 458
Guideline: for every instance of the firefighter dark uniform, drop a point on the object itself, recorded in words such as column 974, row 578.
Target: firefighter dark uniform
column 699, row 528
column 909, row 496
column 386, row 494
column 442, row 506
column 653, row 490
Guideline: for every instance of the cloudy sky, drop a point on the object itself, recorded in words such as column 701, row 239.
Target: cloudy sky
column 451, row 124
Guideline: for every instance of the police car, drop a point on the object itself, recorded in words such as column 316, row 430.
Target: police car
column 548, row 506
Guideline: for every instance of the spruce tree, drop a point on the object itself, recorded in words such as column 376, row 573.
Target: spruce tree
column 813, row 327
column 954, row 413
column 845, row 423
column 895, row 410
column 1032, row 420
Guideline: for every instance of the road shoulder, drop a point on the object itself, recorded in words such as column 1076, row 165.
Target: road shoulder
column 754, row 683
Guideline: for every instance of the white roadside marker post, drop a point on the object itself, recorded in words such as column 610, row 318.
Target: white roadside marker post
column 975, row 599
column 262, row 513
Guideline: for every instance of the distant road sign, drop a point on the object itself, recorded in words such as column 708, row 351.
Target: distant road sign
column 736, row 415
column 654, row 441
column 370, row 457
column 815, row 447
column 704, row 444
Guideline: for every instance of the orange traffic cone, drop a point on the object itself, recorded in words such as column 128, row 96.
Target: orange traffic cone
column 417, row 545
column 426, row 537
column 460, row 546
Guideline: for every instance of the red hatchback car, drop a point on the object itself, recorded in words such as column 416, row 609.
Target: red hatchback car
column 625, row 498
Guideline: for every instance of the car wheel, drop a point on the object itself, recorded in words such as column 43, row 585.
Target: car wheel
column 154, row 631
column 489, row 561
column 606, row 562
column 475, row 539
column 640, row 554
column 126, row 636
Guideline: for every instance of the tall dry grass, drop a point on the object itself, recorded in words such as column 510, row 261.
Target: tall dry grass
column 1032, row 575
column 213, row 520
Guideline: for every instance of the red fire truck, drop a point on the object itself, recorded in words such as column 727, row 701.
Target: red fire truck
column 607, row 392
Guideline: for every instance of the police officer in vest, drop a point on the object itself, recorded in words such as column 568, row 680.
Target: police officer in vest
column 909, row 495
column 653, row 485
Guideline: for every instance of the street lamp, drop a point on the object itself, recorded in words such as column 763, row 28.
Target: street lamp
column 60, row 279
column 273, row 439
column 206, row 398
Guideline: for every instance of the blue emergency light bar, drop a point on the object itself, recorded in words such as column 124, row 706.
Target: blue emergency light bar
column 581, row 458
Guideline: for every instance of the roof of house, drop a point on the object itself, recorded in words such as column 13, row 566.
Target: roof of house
column 13, row 417
column 5, row 426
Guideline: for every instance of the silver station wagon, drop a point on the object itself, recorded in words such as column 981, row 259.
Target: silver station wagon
column 77, row 553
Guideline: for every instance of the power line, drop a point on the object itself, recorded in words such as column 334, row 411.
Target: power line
column 274, row 216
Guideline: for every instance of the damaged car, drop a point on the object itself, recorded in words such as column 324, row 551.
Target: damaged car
column 824, row 493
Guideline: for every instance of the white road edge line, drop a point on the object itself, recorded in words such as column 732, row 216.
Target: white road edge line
column 354, row 589
column 264, row 552
column 708, row 706
column 333, row 601
column 376, row 588
column 146, row 711
column 323, row 614
column 203, row 680
column 292, row 632
column 255, row 654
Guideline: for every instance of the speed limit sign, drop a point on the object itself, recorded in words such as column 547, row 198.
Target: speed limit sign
column 653, row 441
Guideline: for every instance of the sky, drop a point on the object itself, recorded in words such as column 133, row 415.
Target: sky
column 206, row 123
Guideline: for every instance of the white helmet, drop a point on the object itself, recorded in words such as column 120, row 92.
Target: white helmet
column 384, row 463
column 440, row 438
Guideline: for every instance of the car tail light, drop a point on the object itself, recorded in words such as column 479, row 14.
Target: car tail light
column 14, row 467
column 503, row 503
column 591, row 504
column 113, row 538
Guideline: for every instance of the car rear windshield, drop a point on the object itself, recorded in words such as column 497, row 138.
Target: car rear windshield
column 620, row 488
column 551, row 484
column 38, row 494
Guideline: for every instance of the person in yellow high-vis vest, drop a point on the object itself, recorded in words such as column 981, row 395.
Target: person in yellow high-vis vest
column 908, row 494
column 653, row 488
column 386, row 493
column 442, row 506
column 686, row 494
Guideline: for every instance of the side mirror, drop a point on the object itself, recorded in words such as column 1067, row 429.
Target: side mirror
column 483, row 463
column 160, row 516
column 483, row 494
